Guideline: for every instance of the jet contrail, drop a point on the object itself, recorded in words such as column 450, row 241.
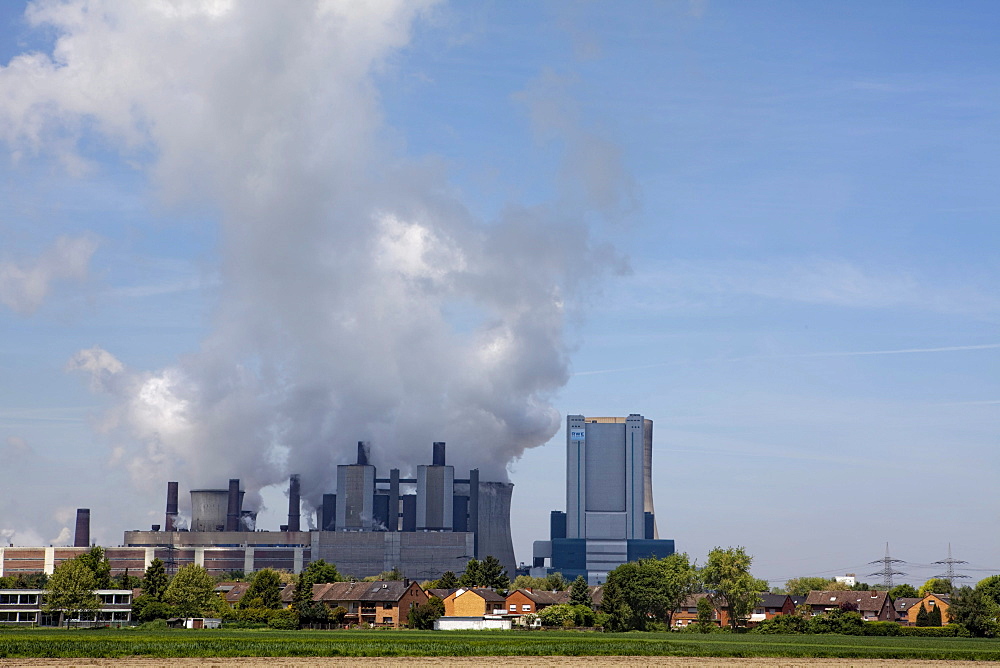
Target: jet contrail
column 849, row 353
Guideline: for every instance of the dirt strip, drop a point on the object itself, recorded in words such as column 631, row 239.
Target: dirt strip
column 490, row 662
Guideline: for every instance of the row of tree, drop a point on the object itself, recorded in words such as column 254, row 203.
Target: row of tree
column 642, row 593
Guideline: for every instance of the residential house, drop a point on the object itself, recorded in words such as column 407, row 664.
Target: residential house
column 24, row 607
column 232, row 592
column 687, row 613
column 903, row 606
column 528, row 601
column 474, row 602
column 930, row 601
column 382, row 603
column 874, row 606
column 770, row 606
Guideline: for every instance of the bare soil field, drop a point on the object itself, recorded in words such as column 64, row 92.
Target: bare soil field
column 490, row 662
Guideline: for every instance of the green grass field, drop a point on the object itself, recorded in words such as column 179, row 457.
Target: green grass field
column 111, row 643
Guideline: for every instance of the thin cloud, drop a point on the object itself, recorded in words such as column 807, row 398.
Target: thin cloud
column 842, row 353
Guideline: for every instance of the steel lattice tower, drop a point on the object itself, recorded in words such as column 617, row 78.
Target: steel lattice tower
column 950, row 563
column 887, row 568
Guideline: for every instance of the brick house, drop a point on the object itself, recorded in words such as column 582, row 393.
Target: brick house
column 474, row 602
column 903, row 606
column 528, row 601
column 687, row 613
column 770, row 606
column 874, row 606
column 382, row 603
column 930, row 601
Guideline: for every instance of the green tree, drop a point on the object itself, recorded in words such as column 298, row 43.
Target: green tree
column 706, row 613
column 555, row 582
column 991, row 587
column 154, row 581
column 99, row 565
column 579, row 593
column 147, row 609
column 935, row 586
column 934, row 616
column 422, row 616
column 922, row 616
column 320, row 572
column 557, row 615
column 126, row 581
column 804, row 585
column 264, row 590
column 493, row 573
column 302, row 600
column 486, row 573
column 448, row 580
column 727, row 576
column 904, row 591
column 190, row 591
column 976, row 611
column 70, row 590
column 472, row 576
column 639, row 592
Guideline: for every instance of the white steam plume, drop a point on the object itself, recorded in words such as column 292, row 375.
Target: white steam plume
column 358, row 301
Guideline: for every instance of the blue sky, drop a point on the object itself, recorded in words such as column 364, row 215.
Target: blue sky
column 769, row 227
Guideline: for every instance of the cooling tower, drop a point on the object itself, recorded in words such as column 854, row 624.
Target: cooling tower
column 82, row 537
column 494, row 524
column 209, row 508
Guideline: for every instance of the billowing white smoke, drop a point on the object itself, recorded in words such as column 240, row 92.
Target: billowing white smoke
column 359, row 300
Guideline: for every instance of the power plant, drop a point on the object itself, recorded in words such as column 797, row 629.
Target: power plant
column 609, row 516
column 423, row 526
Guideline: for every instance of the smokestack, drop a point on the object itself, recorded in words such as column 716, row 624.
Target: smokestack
column 474, row 507
column 364, row 449
column 329, row 513
column 293, row 502
column 438, row 459
column 82, row 538
column 171, row 520
column 233, row 510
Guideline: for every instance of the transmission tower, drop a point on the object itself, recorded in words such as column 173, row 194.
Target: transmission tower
column 950, row 563
column 888, row 570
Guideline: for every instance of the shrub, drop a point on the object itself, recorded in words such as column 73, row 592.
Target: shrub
column 783, row 624
column 284, row 619
column 882, row 629
column 947, row 631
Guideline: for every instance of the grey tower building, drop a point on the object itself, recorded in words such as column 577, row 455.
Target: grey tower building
column 609, row 516
column 356, row 493
column 609, row 485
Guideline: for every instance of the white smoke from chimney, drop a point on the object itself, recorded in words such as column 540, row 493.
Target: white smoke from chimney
column 358, row 300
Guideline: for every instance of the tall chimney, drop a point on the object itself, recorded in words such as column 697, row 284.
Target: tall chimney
column 233, row 509
column 438, row 459
column 364, row 449
column 474, row 508
column 293, row 502
column 171, row 520
column 82, row 538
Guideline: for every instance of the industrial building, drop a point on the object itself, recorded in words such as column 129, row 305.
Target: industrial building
column 423, row 526
column 609, row 517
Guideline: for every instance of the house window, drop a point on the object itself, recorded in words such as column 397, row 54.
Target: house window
column 387, row 606
column 513, row 607
column 387, row 620
column 525, row 607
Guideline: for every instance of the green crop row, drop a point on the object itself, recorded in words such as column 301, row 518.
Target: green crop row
column 23, row 643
